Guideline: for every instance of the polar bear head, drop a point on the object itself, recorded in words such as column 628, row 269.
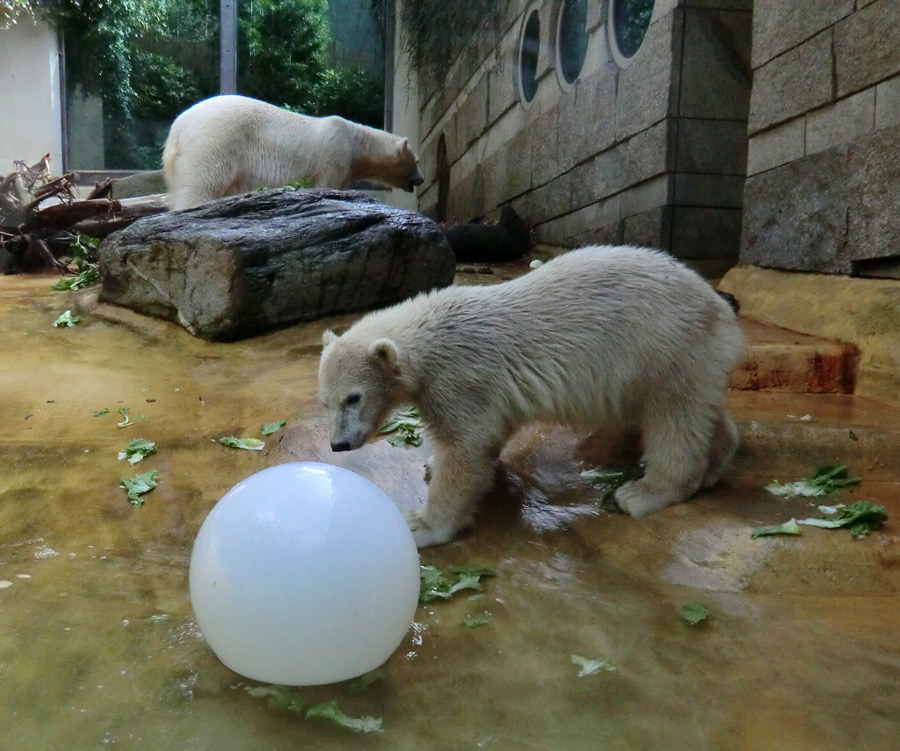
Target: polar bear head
column 358, row 385
column 404, row 172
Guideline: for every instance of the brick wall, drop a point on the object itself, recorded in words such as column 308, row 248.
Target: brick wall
column 651, row 152
column 823, row 186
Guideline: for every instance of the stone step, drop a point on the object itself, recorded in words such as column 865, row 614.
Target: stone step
column 786, row 361
column 781, row 433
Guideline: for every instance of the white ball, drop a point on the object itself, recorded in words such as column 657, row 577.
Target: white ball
column 304, row 574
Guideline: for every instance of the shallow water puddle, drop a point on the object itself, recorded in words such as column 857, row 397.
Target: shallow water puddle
column 99, row 648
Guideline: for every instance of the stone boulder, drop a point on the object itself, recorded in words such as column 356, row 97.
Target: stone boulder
column 241, row 265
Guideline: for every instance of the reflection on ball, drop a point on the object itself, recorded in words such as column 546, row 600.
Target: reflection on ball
column 304, row 574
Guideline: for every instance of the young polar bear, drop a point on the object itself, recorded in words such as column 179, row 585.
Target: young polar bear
column 233, row 144
column 600, row 335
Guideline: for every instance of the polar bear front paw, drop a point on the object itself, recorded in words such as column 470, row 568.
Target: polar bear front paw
column 424, row 533
column 640, row 498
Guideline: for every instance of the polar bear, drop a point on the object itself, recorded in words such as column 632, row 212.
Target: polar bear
column 601, row 335
column 231, row 144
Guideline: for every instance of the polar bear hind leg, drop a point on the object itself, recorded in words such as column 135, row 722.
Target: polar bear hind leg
column 676, row 435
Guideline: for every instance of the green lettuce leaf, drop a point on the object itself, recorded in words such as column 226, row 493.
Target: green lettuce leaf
column 826, row 481
column 695, row 612
column 251, row 444
column 271, row 427
column 589, row 667
column 137, row 449
column 788, row 528
column 860, row 518
column 138, row 485
column 67, row 319
column 330, row 710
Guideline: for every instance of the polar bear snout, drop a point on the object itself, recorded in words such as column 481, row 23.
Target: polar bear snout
column 414, row 182
column 341, row 446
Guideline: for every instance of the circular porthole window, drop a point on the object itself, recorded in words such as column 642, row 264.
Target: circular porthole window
column 628, row 24
column 571, row 39
column 529, row 47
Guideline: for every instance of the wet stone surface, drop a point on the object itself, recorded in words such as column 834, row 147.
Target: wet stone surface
column 99, row 647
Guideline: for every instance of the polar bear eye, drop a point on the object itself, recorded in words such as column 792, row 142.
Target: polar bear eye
column 353, row 399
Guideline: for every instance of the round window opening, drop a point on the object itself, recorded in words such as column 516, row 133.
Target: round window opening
column 528, row 56
column 629, row 22
column 572, row 38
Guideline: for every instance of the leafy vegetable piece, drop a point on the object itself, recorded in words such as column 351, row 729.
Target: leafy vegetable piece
column 127, row 421
column 611, row 480
column 402, row 429
column 695, row 612
column 87, row 276
column 788, row 528
column 330, row 710
column 251, row 444
column 589, row 667
column 137, row 449
column 824, row 482
column 101, row 412
column 366, row 680
column 138, row 485
column 475, row 621
column 304, row 182
column 271, row 427
column 67, row 319
column 435, row 584
column 279, row 697
column 860, row 518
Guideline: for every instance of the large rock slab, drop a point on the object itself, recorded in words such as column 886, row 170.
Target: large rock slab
column 239, row 266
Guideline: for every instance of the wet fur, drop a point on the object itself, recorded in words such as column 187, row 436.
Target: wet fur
column 599, row 336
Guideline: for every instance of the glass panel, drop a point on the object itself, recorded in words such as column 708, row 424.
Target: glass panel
column 573, row 38
column 531, row 44
column 630, row 21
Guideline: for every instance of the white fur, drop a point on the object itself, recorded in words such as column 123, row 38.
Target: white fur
column 597, row 336
column 233, row 144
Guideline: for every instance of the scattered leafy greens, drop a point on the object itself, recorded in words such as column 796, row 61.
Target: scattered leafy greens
column 126, row 420
column 366, row 681
column 286, row 700
column 589, row 667
column 610, row 480
column 788, row 528
column 860, row 518
column 137, row 449
column 475, row 621
column 824, row 482
column 695, row 612
column 251, row 444
column 101, row 412
column 279, row 697
column 84, row 252
column 271, row 427
column 66, row 320
column 402, row 429
column 330, row 710
column 138, row 485
column 434, row 584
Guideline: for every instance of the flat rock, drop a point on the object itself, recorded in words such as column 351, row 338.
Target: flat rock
column 242, row 265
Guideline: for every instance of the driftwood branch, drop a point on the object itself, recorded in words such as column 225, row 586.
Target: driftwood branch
column 39, row 214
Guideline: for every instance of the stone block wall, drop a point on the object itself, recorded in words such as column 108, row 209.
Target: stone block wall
column 823, row 185
column 651, row 151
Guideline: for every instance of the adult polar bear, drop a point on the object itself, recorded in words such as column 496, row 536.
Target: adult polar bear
column 600, row 335
column 232, row 144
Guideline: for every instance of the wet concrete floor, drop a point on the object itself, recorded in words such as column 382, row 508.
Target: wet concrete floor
column 99, row 648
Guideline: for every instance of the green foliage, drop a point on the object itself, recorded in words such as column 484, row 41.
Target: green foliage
column 271, row 427
column 137, row 450
column 589, row 666
column 135, row 487
column 83, row 253
column 434, row 584
column 695, row 612
column 436, row 31
column 281, row 46
column 403, row 428
column 788, row 528
column 826, row 481
column 250, row 444
column 350, row 93
column 67, row 319
column 860, row 518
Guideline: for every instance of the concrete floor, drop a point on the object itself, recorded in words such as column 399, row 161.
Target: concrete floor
column 99, row 649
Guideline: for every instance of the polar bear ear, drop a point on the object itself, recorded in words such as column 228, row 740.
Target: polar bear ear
column 328, row 337
column 404, row 145
column 385, row 351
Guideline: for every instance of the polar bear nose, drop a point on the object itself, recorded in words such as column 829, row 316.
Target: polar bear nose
column 340, row 445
